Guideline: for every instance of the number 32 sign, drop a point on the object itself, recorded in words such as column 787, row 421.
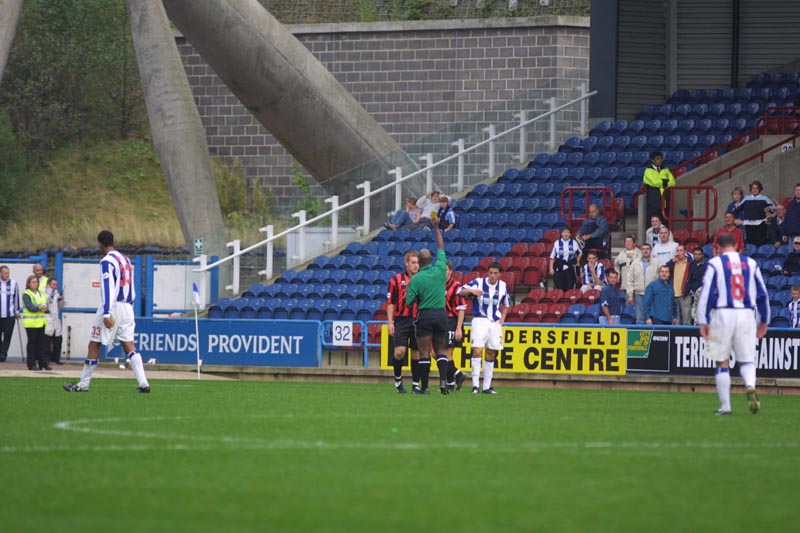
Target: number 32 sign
column 342, row 333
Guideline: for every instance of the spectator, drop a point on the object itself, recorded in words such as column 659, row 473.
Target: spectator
column 651, row 235
column 405, row 217
column 642, row 272
column 609, row 300
column 737, row 194
column 753, row 213
column 564, row 259
column 445, row 216
column 659, row 300
column 594, row 230
column 34, row 307
column 626, row 258
column 792, row 222
column 681, row 271
column 664, row 250
column 791, row 265
column 696, row 278
column 656, row 179
column 38, row 271
column 594, row 273
column 52, row 328
column 730, row 227
column 429, row 207
column 794, row 307
column 776, row 227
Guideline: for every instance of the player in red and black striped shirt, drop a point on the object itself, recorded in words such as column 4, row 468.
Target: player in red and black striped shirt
column 400, row 317
column 456, row 307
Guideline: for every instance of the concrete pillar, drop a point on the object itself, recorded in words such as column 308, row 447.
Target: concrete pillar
column 177, row 131
column 289, row 91
column 9, row 16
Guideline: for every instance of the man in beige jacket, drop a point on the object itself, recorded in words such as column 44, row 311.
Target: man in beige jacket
column 641, row 273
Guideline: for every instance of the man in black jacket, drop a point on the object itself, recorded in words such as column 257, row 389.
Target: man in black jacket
column 791, row 265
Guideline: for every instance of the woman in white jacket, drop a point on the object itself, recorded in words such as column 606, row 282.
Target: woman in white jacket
column 52, row 328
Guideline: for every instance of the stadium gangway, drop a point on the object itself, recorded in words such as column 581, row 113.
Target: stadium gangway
column 365, row 198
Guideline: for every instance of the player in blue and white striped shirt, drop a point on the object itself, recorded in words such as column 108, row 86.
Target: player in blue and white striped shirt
column 733, row 298
column 490, row 304
column 114, row 320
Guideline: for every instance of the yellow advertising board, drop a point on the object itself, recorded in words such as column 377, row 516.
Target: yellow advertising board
column 547, row 350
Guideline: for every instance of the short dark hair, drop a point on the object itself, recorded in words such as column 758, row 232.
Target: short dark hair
column 495, row 264
column 655, row 154
column 725, row 240
column 105, row 238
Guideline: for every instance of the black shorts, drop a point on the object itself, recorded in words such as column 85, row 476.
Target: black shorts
column 431, row 322
column 404, row 332
column 452, row 322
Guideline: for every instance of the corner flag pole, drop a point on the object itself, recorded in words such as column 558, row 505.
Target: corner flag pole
column 197, row 302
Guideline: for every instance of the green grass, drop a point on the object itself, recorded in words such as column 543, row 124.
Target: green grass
column 253, row 456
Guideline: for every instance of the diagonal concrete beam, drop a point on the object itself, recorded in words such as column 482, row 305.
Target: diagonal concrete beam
column 178, row 133
column 9, row 17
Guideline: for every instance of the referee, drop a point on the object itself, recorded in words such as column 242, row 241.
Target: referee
column 432, row 326
column 732, row 312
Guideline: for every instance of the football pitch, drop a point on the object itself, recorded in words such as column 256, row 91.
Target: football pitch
column 287, row 456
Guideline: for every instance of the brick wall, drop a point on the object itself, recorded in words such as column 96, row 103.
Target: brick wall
column 426, row 83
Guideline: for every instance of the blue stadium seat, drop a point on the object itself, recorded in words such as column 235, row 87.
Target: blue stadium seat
column 215, row 311
column 634, row 128
column 248, row 312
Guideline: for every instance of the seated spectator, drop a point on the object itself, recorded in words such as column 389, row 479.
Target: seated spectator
column 429, row 207
column 737, row 194
column 776, row 230
column 791, row 265
column 564, row 259
column 609, row 300
column 730, row 227
column 594, row 273
column 753, row 213
column 664, row 250
column 651, row 235
column 405, row 217
column 446, row 217
column 794, row 307
column 594, row 230
column 625, row 258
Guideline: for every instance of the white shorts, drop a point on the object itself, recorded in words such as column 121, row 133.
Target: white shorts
column 122, row 330
column 486, row 334
column 732, row 330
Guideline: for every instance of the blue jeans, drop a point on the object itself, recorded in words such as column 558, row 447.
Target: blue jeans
column 401, row 218
column 638, row 302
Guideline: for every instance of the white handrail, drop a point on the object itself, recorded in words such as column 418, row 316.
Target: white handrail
column 368, row 193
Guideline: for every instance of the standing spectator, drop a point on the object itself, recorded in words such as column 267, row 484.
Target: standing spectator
column 490, row 304
column 594, row 230
column 776, row 227
column 564, row 258
column 594, row 274
column 730, row 227
column 642, row 273
column 400, row 318
column 791, row 265
column 9, row 310
column 609, row 300
column 38, row 271
column 696, row 278
column 52, row 329
column 792, row 223
column 456, row 308
column 656, row 179
column 34, row 307
column 426, row 288
column 737, row 194
column 728, row 321
column 626, row 258
column 659, row 300
column 753, row 213
column 405, row 217
column 664, row 250
column 114, row 320
column 445, row 216
column 429, row 207
column 681, row 271
column 794, row 307
column 651, row 235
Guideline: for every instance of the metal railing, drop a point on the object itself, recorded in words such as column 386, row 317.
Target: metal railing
column 368, row 193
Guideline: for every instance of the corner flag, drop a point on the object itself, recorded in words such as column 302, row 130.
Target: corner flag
column 196, row 293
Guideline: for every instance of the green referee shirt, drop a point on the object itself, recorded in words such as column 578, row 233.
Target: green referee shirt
column 427, row 285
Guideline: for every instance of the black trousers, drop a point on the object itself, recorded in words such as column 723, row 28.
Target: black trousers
column 6, row 331
column 54, row 343
column 38, row 351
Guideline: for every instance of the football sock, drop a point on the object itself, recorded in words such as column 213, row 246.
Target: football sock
column 476, row 371
column 748, row 373
column 722, row 377
column 86, row 374
column 415, row 372
column 397, row 365
column 451, row 371
column 488, row 372
column 424, row 371
column 135, row 359
column 442, row 365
